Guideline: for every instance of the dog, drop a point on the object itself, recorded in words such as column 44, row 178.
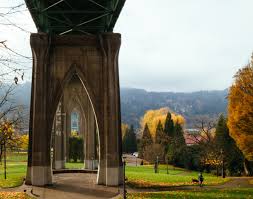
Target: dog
column 195, row 181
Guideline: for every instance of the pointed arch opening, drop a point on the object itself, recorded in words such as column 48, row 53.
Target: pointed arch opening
column 75, row 143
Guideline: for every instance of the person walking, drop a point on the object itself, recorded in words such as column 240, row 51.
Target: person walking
column 201, row 179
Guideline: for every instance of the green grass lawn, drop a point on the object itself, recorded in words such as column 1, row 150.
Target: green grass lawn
column 16, row 170
column 144, row 177
column 74, row 165
column 206, row 194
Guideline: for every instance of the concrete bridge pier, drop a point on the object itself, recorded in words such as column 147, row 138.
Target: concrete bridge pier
column 94, row 59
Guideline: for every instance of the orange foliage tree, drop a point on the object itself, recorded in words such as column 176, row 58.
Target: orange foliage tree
column 240, row 111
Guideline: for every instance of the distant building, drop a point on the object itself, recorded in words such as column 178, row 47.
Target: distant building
column 191, row 136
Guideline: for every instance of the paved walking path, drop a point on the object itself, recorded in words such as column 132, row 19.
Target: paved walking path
column 71, row 185
column 83, row 185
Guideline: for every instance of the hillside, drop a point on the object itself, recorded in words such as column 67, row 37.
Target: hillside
column 134, row 103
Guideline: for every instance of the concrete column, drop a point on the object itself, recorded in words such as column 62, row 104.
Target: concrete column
column 90, row 155
column 68, row 132
column 110, row 169
column 39, row 167
column 59, row 161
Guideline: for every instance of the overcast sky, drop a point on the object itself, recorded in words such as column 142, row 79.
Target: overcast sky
column 172, row 45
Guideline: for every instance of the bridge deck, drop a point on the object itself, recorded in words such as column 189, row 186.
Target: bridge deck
column 75, row 16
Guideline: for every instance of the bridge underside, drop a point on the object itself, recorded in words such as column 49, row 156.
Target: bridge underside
column 75, row 16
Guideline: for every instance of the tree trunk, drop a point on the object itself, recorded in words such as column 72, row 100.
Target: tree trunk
column 248, row 167
column 4, row 161
column 1, row 153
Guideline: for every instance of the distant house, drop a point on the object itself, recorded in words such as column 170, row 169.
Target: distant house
column 191, row 137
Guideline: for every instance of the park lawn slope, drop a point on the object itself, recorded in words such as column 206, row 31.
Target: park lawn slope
column 16, row 170
column 207, row 194
column 74, row 165
column 144, row 177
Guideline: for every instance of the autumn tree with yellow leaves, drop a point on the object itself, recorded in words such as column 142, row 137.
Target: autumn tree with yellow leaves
column 240, row 111
column 152, row 118
column 7, row 138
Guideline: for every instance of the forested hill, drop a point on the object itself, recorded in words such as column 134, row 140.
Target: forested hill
column 134, row 103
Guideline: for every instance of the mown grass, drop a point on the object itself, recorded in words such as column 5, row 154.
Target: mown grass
column 16, row 170
column 74, row 165
column 14, row 195
column 144, row 177
column 192, row 194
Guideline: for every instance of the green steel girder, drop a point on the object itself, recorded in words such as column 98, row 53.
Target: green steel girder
column 75, row 16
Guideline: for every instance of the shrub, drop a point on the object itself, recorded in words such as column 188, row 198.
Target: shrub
column 76, row 148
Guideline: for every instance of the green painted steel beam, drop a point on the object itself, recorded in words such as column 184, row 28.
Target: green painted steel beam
column 92, row 16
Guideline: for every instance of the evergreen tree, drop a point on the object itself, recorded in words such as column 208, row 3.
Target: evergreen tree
column 179, row 136
column 146, row 140
column 161, row 139
column 159, row 135
column 169, row 125
column 222, row 133
column 129, row 141
column 232, row 156
column 176, row 147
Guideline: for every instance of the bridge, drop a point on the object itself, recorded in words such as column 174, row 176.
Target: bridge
column 78, row 17
column 75, row 67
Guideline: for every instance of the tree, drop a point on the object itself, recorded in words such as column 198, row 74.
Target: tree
column 179, row 136
column 145, row 141
column 129, row 141
column 12, row 63
column 169, row 125
column 231, row 155
column 7, row 139
column 162, row 139
column 175, row 149
column 160, row 135
column 151, row 152
column 240, row 110
column 75, row 147
column 205, row 139
column 152, row 118
column 13, row 66
column 124, row 129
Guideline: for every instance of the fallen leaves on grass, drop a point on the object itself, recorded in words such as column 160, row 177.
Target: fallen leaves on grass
column 149, row 184
column 194, row 194
column 14, row 195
